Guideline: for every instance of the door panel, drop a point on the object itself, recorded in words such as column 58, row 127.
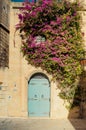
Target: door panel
column 39, row 97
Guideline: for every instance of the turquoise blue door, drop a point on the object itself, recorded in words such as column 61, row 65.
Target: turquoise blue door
column 38, row 97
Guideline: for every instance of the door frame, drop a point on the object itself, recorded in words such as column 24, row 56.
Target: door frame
column 32, row 75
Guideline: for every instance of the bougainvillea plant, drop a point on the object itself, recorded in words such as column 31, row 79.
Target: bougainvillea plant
column 53, row 40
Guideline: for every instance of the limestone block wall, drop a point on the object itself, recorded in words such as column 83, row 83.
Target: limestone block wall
column 4, row 55
column 4, row 33
column 4, row 47
column 4, row 91
column 4, row 13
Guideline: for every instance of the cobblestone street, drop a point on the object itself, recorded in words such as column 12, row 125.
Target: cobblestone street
column 41, row 124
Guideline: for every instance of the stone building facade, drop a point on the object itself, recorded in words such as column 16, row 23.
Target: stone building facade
column 4, row 33
column 16, row 77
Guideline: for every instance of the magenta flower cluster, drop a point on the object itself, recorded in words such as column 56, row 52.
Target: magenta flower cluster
column 52, row 39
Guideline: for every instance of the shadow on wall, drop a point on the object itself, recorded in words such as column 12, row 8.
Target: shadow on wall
column 79, row 100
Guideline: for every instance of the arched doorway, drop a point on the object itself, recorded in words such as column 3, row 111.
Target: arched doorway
column 39, row 96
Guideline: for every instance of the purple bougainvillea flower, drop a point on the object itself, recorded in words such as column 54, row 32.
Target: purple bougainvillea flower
column 38, row 9
column 46, row 2
column 20, row 17
column 53, row 23
column 68, row 18
column 53, row 41
column 74, row 14
column 33, row 13
column 56, row 59
column 59, row 20
column 28, row 7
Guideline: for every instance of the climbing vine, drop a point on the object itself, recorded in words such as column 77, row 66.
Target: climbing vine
column 52, row 39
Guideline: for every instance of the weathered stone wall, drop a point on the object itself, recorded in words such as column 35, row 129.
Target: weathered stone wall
column 4, row 54
column 4, row 13
column 4, row 47
column 4, row 33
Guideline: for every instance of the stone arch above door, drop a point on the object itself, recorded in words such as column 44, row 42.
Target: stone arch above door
column 39, row 75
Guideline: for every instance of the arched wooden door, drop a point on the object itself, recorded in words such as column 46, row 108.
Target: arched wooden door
column 38, row 96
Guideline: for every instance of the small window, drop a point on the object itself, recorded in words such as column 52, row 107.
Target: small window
column 30, row 0
column 39, row 39
column 23, row 0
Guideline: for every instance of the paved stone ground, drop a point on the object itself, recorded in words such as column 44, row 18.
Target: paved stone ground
column 41, row 124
